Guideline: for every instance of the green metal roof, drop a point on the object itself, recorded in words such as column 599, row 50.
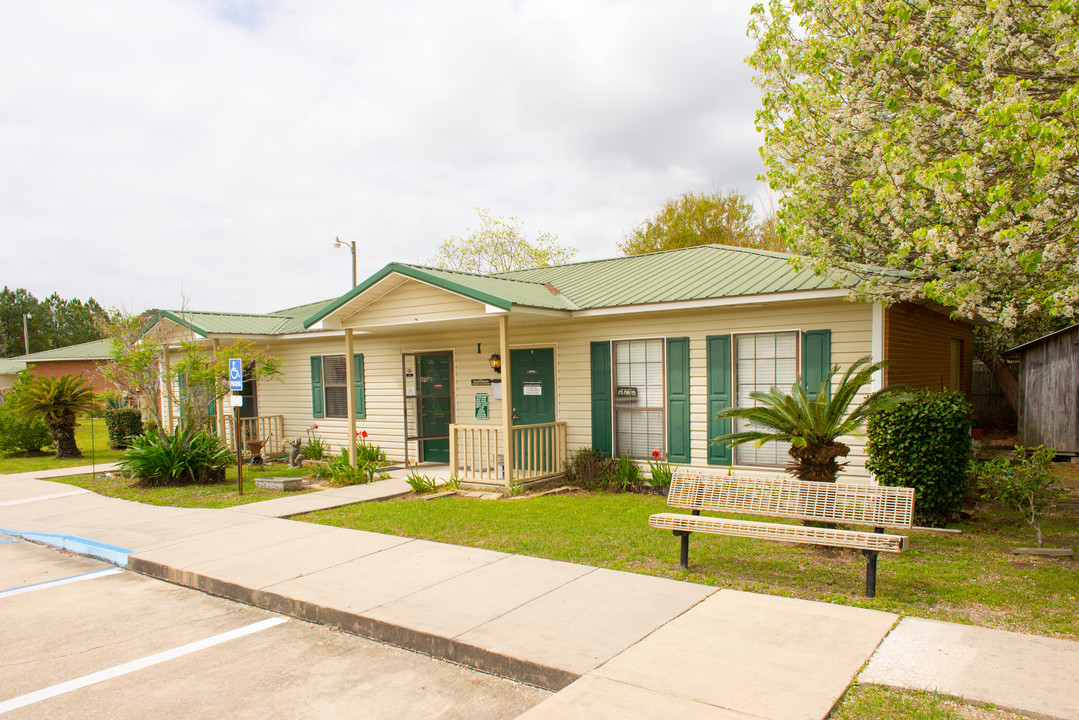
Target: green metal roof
column 289, row 320
column 93, row 350
column 695, row 273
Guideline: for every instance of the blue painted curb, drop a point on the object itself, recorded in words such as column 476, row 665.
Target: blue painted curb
column 78, row 545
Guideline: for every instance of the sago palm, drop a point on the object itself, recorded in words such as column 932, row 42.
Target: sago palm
column 812, row 427
column 57, row 400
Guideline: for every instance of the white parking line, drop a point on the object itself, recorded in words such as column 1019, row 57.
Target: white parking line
column 66, row 493
column 86, row 680
column 61, row 581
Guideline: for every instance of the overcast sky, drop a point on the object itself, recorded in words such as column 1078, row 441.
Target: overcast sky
column 157, row 152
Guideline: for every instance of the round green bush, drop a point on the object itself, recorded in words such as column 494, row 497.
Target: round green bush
column 123, row 423
column 19, row 435
column 924, row 444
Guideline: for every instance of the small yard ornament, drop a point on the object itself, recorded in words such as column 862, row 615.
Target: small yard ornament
column 295, row 459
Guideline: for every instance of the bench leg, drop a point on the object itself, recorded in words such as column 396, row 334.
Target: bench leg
column 870, row 573
column 683, row 559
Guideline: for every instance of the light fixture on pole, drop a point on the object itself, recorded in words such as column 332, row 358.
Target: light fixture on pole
column 25, row 333
column 352, row 246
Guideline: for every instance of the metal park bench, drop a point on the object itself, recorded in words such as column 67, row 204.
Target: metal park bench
column 874, row 506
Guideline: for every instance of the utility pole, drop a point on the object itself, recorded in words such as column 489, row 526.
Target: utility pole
column 337, row 243
column 26, row 334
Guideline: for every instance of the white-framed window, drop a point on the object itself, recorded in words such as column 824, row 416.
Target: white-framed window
column 638, row 376
column 761, row 361
column 335, row 386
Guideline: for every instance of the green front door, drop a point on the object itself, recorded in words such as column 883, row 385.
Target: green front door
column 532, row 376
column 435, row 388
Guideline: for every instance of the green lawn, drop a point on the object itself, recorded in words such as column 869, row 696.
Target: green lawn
column 92, row 439
column 869, row 702
column 216, row 495
column 969, row 578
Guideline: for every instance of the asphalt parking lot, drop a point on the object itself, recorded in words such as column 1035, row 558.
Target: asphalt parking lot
column 80, row 638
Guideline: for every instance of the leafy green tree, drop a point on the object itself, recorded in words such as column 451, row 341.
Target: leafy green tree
column 19, row 434
column 13, row 305
column 500, row 245
column 206, row 375
column 937, row 138
column 53, row 323
column 57, row 401
column 135, row 361
column 702, row 219
column 812, row 427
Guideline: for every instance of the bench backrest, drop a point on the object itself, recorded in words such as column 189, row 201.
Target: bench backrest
column 875, row 505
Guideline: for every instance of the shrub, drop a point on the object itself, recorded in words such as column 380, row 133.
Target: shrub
column 1025, row 483
column 924, row 444
column 421, row 484
column 316, row 447
column 342, row 472
column 123, row 423
column 590, row 469
column 178, row 458
column 19, row 434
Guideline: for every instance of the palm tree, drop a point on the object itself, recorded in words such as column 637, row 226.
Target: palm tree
column 813, row 427
column 57, row 400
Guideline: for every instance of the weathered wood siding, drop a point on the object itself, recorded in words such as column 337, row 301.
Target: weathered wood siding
column 1049, row 393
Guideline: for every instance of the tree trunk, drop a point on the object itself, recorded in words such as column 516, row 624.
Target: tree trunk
column 1002, row 375
column 817, row 463
column 63, row 437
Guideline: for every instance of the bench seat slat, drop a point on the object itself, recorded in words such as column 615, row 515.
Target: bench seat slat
column 844, row 503
column 780, row 533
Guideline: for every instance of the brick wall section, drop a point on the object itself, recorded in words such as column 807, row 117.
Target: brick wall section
column 87, row 369
column 918, row 342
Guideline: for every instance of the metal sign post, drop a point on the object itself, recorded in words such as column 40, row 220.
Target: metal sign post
column 236, row 384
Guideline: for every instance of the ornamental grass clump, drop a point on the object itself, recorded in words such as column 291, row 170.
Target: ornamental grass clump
column 181, row 457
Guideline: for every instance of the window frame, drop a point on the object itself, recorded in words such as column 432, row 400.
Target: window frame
column 616, row 450
column 326, row 385
column 798, row 334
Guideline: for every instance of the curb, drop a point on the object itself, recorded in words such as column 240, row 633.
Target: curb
column 79, row 545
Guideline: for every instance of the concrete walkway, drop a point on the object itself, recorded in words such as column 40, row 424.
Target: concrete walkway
column 612, row 644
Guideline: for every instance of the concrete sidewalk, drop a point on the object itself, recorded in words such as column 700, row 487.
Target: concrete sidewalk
column 613, row 644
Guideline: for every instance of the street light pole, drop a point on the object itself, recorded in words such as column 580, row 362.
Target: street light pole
column 337, row 244
column 26, row 334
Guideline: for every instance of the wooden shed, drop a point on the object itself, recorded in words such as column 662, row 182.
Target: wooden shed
column 1049, row 391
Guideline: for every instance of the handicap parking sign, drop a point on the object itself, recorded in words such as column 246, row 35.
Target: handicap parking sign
column 236, row 374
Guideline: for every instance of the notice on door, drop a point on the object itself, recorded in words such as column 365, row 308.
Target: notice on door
column 481, row 406
column 533, row 388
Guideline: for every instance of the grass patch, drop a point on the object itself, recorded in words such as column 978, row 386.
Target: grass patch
column 871, row 702
column 969, row 578
column 92, row 439
column 214, row 495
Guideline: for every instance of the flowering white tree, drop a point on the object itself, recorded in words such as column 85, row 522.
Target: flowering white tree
column 939, row 138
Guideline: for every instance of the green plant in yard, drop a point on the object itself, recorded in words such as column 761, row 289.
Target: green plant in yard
column 421, row 484
column 924, row 444
column 56, row 401
column 514, row 489
column 316, row 447
column 627, row 474
column 18, row 433
column 369, row 453
column 182, row 456
column 590, row 469
column 660, row 470
column 123, row 423
column 812, row 427
column 1024, row 483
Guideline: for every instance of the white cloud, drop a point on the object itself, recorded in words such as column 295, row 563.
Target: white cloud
column 217, row 148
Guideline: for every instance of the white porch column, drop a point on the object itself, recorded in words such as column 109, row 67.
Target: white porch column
column 350, row 404
column 166, row 388
column 507, row 391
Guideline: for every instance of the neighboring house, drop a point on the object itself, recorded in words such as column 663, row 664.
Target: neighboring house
column 83, row 360
column 1049, row 391
column 629, row 355
column 9, row 370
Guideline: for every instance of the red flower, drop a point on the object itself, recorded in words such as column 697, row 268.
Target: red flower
column 655, row 454
column 364, row 433
column 314, row 427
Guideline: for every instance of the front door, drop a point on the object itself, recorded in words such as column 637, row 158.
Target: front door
column 532, row 376
column 435, row 405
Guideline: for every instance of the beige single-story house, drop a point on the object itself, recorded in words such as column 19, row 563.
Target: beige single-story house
column 9, row 371
column 629, row 355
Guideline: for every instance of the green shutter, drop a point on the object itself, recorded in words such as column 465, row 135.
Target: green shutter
column 602, row 438
column 678, row 445
column 316, row 386
column 719, row 396
column 816, row 360
column 358, row 400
